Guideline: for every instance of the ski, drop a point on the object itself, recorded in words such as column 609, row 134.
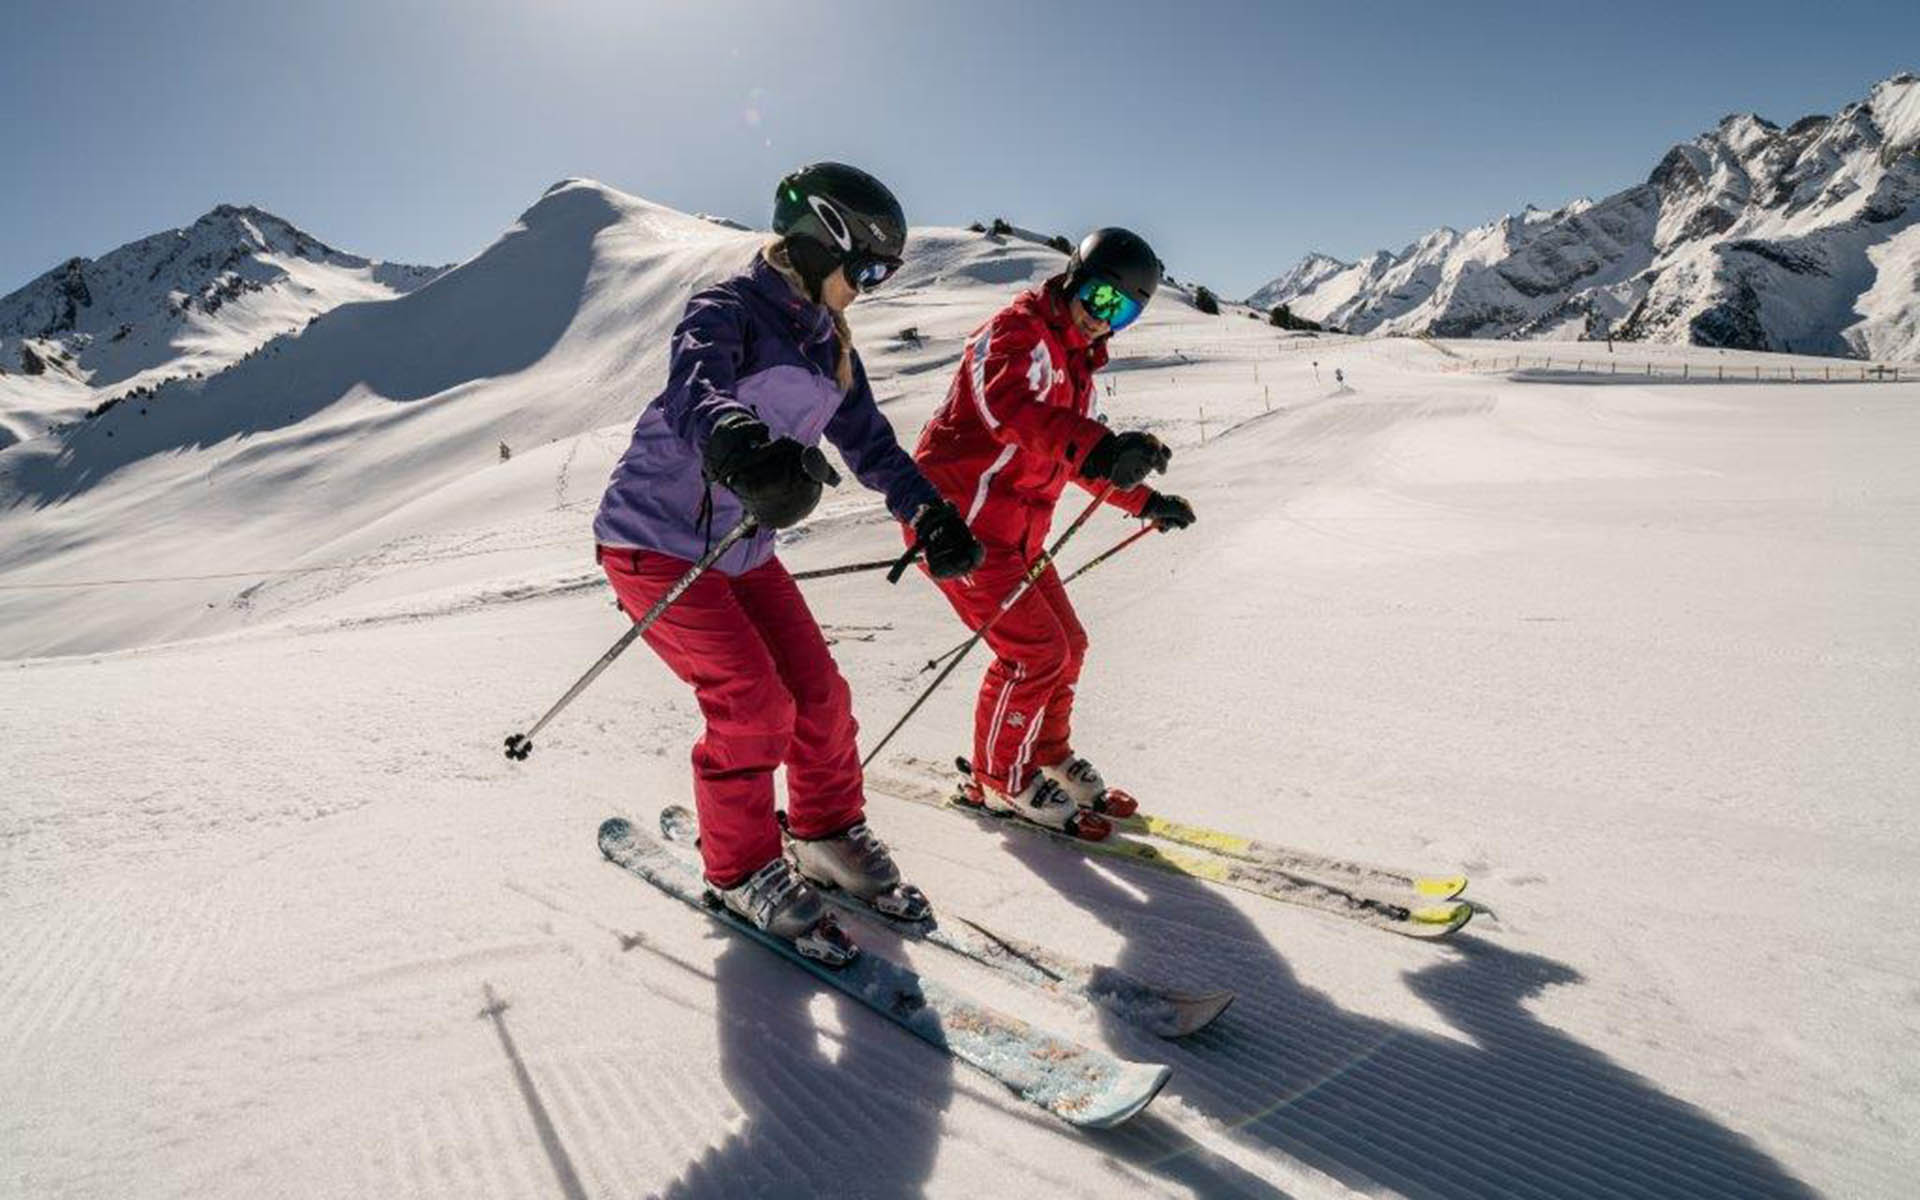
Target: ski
column 1425, row 921
column 1287, row 858
column 1080, row 1085
column 1124, row 816
column 1164, row 1012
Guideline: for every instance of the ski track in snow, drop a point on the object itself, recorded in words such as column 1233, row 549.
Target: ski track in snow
column 281, row 920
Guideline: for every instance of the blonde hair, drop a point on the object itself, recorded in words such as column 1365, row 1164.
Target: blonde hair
column 775, row 252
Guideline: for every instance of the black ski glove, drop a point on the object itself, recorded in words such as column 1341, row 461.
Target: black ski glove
column 736, row 439
column 778, row 480
column 950, row 547
column 1167, row 512
column 1126, row 458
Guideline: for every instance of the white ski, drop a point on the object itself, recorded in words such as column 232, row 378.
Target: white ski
column 1164, row 1012
column 1081, row 1085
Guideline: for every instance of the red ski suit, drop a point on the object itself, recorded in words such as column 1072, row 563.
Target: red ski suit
column 1016, row 425
column 771, row 695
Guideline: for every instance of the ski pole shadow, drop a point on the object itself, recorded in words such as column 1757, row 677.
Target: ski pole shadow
column 557, row 1156
column 860, row 1120
column 1513, row 1107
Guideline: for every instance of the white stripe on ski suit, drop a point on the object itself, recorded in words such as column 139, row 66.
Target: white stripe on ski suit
column 1000, row 712
column 1026, row 747
column 986, row 478
column 980, row 346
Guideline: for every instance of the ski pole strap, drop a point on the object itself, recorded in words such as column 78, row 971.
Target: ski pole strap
column 521, row 744
column 901, row 564
column 878, row 564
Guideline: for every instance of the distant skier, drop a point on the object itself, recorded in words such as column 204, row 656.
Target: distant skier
column 763, row 364
column 1016, row 425
column 1339, row 378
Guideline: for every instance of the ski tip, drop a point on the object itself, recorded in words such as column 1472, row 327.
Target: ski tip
column 1441, row 920
column 678, row 824
column 1134, row 1089
column 1440, row 887
column 1194, row 1013
column 613, row 831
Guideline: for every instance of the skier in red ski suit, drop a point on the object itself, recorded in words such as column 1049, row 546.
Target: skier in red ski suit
column 1017, row 425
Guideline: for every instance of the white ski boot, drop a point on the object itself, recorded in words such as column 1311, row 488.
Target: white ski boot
column 1079, row 779
column 778, row 901
column 1045, row 803
column 857, row 861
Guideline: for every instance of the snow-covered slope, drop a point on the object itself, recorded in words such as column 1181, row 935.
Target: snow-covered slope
column 379, row 422
column 1750, row 236
column 180, row 303
column 280, row 919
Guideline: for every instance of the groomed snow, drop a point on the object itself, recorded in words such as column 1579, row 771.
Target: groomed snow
column 282, row 921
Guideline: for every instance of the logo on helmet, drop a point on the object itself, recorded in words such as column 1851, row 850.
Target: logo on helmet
column 830, row 218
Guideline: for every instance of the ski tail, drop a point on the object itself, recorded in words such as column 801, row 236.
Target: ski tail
column 1081, row 1085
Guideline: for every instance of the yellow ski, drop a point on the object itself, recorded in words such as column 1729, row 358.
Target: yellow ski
column 1430, row 921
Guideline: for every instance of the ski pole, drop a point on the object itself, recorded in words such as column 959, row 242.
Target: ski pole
column 878, row 564
column 520, row 745
column 1084, row 567
column 816, row 466
column 1033, row 572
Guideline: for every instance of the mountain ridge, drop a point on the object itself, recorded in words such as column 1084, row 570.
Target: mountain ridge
column 1751, row 236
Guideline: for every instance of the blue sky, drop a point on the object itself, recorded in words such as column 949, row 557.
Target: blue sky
column 1235, row 136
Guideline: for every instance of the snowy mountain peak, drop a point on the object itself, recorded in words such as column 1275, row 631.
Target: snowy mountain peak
column 1749, row 235
column 1895, row 105
column 1304, row 276
column 187, row 300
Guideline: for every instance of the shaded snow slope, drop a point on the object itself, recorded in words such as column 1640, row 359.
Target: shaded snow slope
column 1749, row 236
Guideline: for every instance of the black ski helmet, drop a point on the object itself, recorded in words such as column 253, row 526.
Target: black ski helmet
column 1118, row 256
column 834, row 215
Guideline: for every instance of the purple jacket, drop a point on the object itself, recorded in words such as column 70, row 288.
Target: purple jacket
column 747, row 343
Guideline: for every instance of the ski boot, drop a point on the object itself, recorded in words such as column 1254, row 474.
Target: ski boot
column 1078, row 778
column 777, row 901
column 857, row 861
column 1042, row 802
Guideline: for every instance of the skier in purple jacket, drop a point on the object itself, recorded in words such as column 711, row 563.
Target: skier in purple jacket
column 763, row 364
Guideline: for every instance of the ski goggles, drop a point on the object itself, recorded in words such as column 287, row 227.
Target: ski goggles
column 1105, row 302
column 869, row 272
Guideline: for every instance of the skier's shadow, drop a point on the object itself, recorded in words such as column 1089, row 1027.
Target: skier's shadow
column 823, row 1120
column 1514, row 1107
